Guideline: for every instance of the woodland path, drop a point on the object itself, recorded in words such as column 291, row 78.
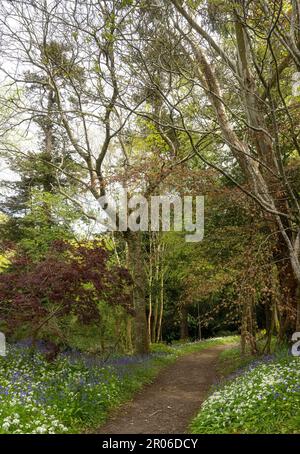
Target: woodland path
column 167, row 405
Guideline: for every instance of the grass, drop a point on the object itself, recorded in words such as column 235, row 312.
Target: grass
column 77, row 392
column 232, row 360
column 256, row 395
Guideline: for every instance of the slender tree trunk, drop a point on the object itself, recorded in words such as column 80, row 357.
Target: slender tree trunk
column 252, row 328
column 129, row 334
column 117, row 330
column 199, row 323
column 150, row 314
column 155, row 319
column 150, row 288
column 270, row 324
column 156, row 305
column 244, row 328
column 158, row 338
column 184, row 330
column 48, row 128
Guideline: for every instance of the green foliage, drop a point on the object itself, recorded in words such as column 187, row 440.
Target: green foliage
column 107, row 336
column 4, row 262
column 55, row 55
column 50, row 218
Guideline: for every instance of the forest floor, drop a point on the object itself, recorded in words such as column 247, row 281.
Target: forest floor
column 169, row 403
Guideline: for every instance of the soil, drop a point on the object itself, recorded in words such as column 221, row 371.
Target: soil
column 167, row 405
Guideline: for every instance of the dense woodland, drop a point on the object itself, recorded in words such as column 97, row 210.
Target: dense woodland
column 162, row 97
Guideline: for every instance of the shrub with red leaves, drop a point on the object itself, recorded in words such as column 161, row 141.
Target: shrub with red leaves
column 71, row 279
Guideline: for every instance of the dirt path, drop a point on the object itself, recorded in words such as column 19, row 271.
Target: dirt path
column 170, row 402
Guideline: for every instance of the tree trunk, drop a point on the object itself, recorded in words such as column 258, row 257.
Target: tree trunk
column 244, row 328
column 156, row 306
column 136, row 266
column 270, row 324
column 199, row 324
column 184, row 329
column 129, row 334
column 150, row 288
column 155, row 319
column 158, row 338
